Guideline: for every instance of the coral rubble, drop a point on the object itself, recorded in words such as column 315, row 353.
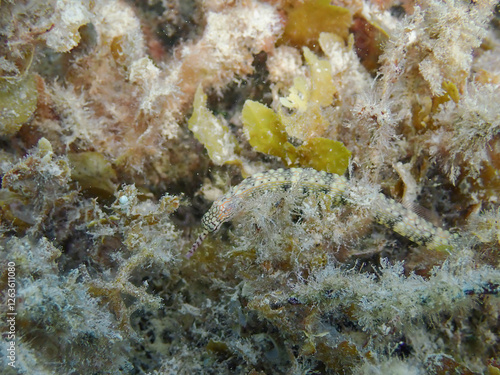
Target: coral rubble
column 122, row 120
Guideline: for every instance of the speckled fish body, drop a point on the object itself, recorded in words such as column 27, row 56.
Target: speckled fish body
column 309, row 181
column 408, row 224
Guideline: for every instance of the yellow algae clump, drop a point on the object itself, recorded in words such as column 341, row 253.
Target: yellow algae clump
column 212, row 132
column 18, row 98
column 299, row 95
column 303, row 119
column 322, row 87
column 427, row 106
column 266, row 132
column 319, row 89
column 92, row 171
column 306, row 21
column 307, row 99
column 450, row 93
column 324, row 154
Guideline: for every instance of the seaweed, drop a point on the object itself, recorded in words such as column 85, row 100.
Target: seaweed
column 122, row 121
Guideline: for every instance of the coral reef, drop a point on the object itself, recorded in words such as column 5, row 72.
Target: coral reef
column 121, row 121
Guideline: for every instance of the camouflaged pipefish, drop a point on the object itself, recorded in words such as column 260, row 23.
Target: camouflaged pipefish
column 386, row 211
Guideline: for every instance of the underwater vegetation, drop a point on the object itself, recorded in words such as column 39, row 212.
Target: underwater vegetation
column 367, row 131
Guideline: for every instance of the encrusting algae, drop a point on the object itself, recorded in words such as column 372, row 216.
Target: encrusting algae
column 334, row 138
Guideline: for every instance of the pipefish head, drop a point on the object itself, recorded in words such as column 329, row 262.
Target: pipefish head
column 222, row 210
